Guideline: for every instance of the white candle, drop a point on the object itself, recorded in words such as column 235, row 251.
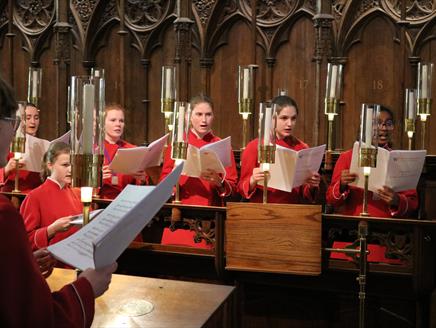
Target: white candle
column 424, row 82
column 333, row 81
column 180, row 125
column 168, row 78
column 267, row 126
column 86, row 194
column 34, row 85
column 246, row 83
column 88, row 118
column 411, row 112
column 368, row 127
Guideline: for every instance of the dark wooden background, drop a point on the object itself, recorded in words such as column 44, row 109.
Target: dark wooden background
column 380, row 43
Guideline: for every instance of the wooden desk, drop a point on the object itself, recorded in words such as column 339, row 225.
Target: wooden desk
column 176, row 303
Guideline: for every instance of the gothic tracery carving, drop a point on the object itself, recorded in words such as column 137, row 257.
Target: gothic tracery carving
column 84, row 9
column 204, row 9
column 33, row 15
column 145, row 14
column 415, row 9
column 270, row 12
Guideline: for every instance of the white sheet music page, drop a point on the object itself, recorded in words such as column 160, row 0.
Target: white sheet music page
column 132, row 160
column 214, row 156
column 102, row 241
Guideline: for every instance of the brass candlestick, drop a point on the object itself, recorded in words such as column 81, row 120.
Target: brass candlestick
column 245, row 110
column 179, row 151
column 18, row 148
column 367, row 159
column 410, row 130
column 331, row 111
column 423, row 110
column 266, row 157
column 17, row 176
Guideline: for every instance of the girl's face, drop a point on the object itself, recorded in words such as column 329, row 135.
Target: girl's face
column 202, row 119
column 61, row 169
column 114, row 125
column 385, row 128
column 32, row 120
column 286, row 120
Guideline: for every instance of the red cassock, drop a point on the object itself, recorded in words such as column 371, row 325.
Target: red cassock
column 196, row 191
column 43, row 206
column 25, row 298
column 350, row 202
column 27, row 180
column 250, row 161
column 113, row 186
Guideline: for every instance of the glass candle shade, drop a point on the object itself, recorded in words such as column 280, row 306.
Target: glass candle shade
column 333, row 89
column 179, row 135
column 425, row 71
column 168, row 89
column 87, row 128
column 245, row 90
column 19, row 141
column 368, row 137
column 34, row 85
column 267, row 136
column 410, row 110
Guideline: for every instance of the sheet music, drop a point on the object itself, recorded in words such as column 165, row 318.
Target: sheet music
column 35, row 149
column 132, row 160
column 214, row 156
column 292, row 168
column 397, row 169
column 100, row 242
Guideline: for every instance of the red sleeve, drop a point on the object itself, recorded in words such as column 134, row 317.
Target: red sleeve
column 168, row 164
column 26, row 300
column 231, row 179
column 408, row 204
column 31, row 212
column 333, row 194
column 249, row 162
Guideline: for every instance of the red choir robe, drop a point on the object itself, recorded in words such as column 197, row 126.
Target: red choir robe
column 350, row 203
column 113, row 186
column 249, row 161
column 43, row 206
column 27, row 180
column 25, row 298
column 196, row 191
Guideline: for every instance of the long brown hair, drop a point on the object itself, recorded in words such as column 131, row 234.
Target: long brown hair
column 53, row 152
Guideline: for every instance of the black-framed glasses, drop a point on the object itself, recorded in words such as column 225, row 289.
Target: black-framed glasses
column 14, row 121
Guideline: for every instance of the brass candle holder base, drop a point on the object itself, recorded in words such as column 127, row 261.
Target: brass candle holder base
column 86, row 170
column 18, row 145
column 17, row 176
column 266, row 154
column 367, row 157
column 179, row 150
column 245, row 106
column 86, row 208
column 265, row 187
column 365, row 197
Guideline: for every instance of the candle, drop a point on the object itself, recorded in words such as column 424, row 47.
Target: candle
column 34, row 85
column 333, row 81
column 180, row 124
column 88, row 118
column 246, row 83
column 368, row 127
column 424, row 82
column 86, row 194
column 411, row 112
column 168, row 77
column 267, row 126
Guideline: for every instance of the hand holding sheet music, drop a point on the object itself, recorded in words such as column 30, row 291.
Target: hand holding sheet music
column 292, row 168
column 397, row 169
column 100, row 242
column 214, row 156
column 133, row 160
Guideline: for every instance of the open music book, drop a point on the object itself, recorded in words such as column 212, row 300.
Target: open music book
column 214, row 156
column 396, row 169
column 102, row 241
column 132, row 160
column 36, row 148
column 292, row 168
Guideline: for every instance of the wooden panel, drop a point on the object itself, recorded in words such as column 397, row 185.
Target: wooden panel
column 175, row 303
column 273, row 238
